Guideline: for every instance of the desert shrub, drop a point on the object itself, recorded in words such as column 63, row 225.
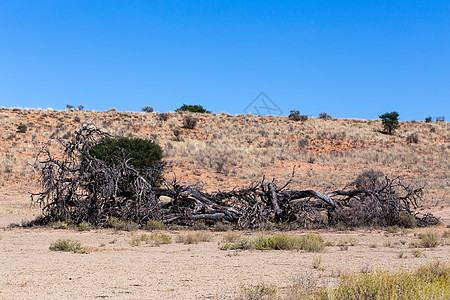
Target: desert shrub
column 434, row 271
column 189, row 122
column 393, row 229
column 407, row 220
column 192, row 108
column 147, row 109
column 154, row 225
column 390, row 121
column 195, row 237
column 84, row 226
column 22, row 128
column 324, row 116
column 309, row 242
column 383, row 285
column 143, row 154
column 154, row 239
column 258, row 291
column 66, row 245
column 177, row 134
column 440, row 119
column 412, row 138
column 60, row 225
column 428, row 119
column 417, row 253
column 303, row 143
column 118, row 224
column 163, row 116
column 429, row 239
column 369, row 180
column 312, row 243
column 296, row 116
column 231, row 237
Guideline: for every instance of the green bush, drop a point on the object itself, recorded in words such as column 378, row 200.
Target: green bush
column 144, row 154
column 310, row 242
column 122, row 225
column 390, row 121
column 154, row 225
column 66, row 245
column 192, row 108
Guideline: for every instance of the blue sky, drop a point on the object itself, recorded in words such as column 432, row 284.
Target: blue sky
column 351, row 59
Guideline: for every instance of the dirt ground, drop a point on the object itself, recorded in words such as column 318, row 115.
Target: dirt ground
column 114, row 269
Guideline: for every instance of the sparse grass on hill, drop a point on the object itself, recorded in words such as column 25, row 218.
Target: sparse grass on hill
column 225, row 151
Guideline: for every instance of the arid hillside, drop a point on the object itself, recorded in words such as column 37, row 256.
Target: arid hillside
column 224, row 151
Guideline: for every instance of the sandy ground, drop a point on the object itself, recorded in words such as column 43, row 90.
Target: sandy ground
column 114, row 269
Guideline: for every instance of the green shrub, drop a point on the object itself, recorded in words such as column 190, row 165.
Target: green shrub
column 154, row 225
column 310, row 242
column 83, row 226
column 429, row 239
column 390, row 121
column 192, row 108
column 154, row 239
column 144, row 154
column 122, row 225
column 66, row 245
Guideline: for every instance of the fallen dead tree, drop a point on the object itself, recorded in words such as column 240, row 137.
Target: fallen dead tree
column 79, row 187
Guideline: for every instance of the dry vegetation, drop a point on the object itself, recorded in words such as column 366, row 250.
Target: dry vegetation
column 224, row 151
column 221, row 152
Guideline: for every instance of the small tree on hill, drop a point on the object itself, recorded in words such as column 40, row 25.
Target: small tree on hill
column 390, row 121
column 193, row 108
column 147, row 109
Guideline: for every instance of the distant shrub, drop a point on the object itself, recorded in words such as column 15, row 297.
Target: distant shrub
column 296, row 116
column 163, row 116
column 195, row 237
column 390, row 121
column 189, row 122
column 192, row 108
column 80, row 107
column 147, row 109
column 428, row 119
column 412, row 138
column 324, row 116
column 70, row 107
column 22, row 128
column 440, row 119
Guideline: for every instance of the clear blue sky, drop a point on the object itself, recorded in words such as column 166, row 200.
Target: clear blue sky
column 351, row 59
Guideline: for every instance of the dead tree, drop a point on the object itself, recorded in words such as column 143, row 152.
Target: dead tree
column 79, row 187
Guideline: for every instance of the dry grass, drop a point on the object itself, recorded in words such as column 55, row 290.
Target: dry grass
column 224, row 151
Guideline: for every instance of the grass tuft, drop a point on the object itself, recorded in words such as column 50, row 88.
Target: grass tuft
column 429, row 239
